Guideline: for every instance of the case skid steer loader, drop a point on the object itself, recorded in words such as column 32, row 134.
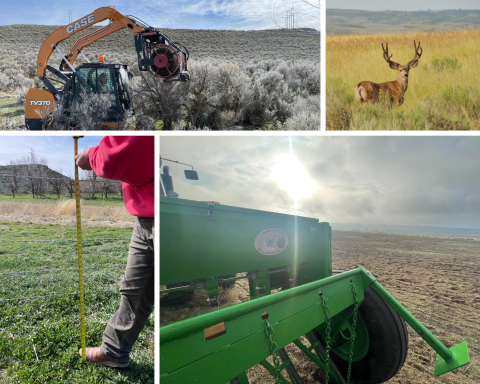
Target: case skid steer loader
column 156, row 54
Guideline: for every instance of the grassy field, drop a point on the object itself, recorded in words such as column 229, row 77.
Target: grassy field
column 23, row 208
column 113, row 200
column 39, row 338
column 442, row 91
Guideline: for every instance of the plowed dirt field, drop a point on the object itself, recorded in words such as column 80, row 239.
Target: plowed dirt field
column 437, row 279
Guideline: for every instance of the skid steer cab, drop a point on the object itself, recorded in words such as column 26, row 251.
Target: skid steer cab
column 110, row 80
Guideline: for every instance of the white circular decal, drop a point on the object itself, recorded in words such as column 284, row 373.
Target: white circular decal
column 271, row 241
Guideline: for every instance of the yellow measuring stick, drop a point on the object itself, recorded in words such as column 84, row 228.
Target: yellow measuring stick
column 80, row 259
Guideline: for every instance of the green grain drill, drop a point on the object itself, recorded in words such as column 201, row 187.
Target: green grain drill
column 355, row 328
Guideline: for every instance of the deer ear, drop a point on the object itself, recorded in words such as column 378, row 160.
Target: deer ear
column 413, row 65
column 394, row 65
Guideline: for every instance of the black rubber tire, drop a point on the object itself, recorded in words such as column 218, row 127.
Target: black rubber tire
column 388, row 343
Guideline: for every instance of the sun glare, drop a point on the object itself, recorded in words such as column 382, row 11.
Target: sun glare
column 292, row 177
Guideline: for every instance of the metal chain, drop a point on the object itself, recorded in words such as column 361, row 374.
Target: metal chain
column 327, row 347
column 353, row 335
column 274, row 349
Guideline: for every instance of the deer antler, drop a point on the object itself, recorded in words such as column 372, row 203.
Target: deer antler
column 387, row 58
column 413, row 63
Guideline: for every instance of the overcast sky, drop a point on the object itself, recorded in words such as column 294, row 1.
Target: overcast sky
column 191, row 14
column 365, row 180
column 405, row 5
column 57, row 150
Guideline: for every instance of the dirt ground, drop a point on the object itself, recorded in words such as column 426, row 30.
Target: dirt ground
column 437, row 279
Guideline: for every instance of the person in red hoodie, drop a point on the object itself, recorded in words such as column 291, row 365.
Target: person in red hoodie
column 131, row 160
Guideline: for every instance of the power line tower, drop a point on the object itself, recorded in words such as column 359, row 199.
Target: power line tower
column 290, row 18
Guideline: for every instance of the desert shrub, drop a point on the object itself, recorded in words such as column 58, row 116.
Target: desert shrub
column 235, row 95
column 85, row 114
column 157, row 99
column 308, row 73
column 12, row 125
column 5, row 82
column 199, row 96
column 20, row 93
column 11, row 80
column 29, row 65
column 229, row 95
column 142, row 122
column 272, row 98
column 306, row 116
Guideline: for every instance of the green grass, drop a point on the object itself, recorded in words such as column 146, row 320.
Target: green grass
column 27, row 198
column 39, row 338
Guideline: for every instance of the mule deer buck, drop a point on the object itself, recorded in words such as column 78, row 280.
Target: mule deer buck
column 394, row 90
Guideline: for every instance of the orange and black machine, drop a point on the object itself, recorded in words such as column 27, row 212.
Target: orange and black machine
column 156, row 54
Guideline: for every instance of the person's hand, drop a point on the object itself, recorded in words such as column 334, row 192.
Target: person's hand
column 82, row 159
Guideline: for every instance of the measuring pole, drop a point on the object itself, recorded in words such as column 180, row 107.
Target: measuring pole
column 80, row 259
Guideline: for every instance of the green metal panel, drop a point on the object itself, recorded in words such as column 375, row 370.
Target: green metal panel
column 186, row 356
column 199, row 241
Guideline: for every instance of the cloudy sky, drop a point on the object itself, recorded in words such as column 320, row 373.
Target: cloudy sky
column 194, row 14
column 365, row 180
column 56, row 150
column 405, row 5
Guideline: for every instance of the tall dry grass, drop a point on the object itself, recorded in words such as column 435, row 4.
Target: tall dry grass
column 442, row 92
column 64, row 209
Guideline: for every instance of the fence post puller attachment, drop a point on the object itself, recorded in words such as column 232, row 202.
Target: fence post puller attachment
column 345, row 322
column 80, row 257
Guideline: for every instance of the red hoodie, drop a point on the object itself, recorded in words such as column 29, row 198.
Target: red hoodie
column 131, row 160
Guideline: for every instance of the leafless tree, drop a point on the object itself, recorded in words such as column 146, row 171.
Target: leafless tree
column 34, row 167
column 107, row 188
column 56, row 184
column 69, row 183
column 90, row 185
column 119, row 189
column 13, row 184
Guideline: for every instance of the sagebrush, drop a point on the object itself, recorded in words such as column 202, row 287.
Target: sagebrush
column 252, row 79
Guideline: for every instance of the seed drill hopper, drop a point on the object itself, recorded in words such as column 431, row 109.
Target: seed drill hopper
column 344, row 321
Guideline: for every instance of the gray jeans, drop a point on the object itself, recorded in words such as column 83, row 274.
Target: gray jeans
column 137, row 295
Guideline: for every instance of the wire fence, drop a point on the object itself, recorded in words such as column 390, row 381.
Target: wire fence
column 64, row 179
column 38, row 185
column 52, row 241
column 46, row 271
